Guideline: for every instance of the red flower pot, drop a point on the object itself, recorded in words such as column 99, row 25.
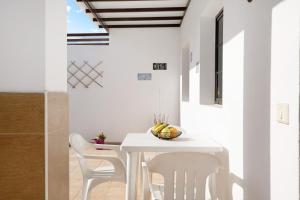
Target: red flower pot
column 99, row 141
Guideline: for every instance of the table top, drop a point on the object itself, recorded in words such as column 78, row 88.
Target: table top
column 142, row 142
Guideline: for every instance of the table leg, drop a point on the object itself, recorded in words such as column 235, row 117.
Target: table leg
column 132, row 161
column 140, row 174
column 222, row 178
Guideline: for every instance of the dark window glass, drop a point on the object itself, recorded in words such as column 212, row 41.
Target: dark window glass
column 219, row 59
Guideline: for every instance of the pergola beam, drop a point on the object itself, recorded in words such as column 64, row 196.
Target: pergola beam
column 91, row 9
column 118, row 0
column 104, row 21
column 140, row 18
column 93, row 44
column 88, row 40
column 143, row 25
column 118, row 10
column 187, row 5
column 87, row 34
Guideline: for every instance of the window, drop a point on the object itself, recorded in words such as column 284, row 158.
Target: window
column 219, row 58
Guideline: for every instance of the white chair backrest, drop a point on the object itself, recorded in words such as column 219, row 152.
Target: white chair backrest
column 79, row 145
column 185, row 174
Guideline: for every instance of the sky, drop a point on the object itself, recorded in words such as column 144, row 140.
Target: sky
column 78, row 21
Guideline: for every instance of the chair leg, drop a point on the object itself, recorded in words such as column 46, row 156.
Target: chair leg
column 212, row 186
column 145, row 193
column 85, row 189
column 145, row 184
column 140, row 170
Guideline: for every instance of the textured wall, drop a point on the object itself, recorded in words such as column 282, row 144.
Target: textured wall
column 22, row 146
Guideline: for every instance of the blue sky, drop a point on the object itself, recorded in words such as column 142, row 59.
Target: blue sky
column 78, row 21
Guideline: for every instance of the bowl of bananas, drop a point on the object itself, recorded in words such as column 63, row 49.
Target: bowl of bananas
column 165, row 131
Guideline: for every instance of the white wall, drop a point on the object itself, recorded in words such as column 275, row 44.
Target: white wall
column 284, row 139
column 125, row 104
column 22, row 46
column 259, row 147
column 33, row 45
column 55, row 46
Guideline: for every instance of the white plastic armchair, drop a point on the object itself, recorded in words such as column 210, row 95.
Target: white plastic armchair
column 93, row 177
column 185, row 176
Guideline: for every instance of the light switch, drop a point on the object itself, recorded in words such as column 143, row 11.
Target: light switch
column 283, row 113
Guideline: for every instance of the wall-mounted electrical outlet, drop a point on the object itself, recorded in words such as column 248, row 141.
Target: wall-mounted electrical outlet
column 283, row 113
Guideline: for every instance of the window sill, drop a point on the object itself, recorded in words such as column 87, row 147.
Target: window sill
column 217, row 105
column 213, row 105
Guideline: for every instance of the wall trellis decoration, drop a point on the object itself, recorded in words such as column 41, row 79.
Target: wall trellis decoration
column 84, row 74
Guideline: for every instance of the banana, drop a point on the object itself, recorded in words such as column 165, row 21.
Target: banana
column 158, row 128
column 161, row 127
column 154, row 127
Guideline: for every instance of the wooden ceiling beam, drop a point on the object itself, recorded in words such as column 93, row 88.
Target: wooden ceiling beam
column 91, row 9
column 88, row 39
column 88, row 44
column 87, row 34
column 187, row 5
column 113, row 10
column 140, row 18
column 143, row 25
column 118, row 0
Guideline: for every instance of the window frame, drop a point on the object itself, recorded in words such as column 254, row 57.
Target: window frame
column 219, row 62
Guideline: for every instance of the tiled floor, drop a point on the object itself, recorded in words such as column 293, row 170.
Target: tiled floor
column 106, row 191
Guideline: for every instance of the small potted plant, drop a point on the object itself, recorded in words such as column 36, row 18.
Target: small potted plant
column 101, row 138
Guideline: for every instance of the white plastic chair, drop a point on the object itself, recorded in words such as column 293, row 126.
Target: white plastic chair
column 148, row 157
column 185, row 176
column 93, row 177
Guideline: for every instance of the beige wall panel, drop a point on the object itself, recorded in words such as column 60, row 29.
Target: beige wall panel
column 58, row 146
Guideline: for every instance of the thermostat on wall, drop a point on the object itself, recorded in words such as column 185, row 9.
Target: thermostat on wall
column 144, row 76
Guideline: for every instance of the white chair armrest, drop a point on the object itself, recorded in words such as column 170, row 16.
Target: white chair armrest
column 116, row 162
column 108, row 146
column 115, row 148
column 94, row 156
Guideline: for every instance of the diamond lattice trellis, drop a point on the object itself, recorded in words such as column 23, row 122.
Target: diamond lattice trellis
column 84, row 75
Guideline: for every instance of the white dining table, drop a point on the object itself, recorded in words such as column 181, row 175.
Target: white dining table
column 136, row 143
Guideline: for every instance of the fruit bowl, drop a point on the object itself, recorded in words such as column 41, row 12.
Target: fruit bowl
column 165, row 131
